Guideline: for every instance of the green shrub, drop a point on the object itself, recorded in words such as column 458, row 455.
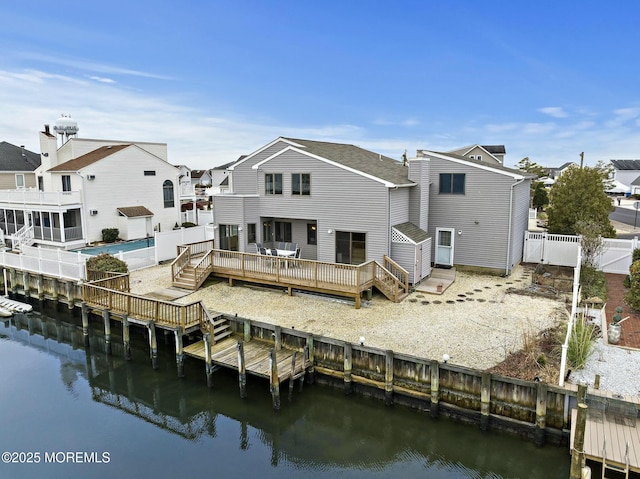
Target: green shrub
column 188, row 224
column 581, row 342
column 627, row 281
column 635, row 255
column 109, row 235
column 593, row 282
column 108, row 263
column 632, row 298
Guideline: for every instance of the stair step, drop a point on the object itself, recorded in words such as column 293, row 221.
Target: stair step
column 218, row 337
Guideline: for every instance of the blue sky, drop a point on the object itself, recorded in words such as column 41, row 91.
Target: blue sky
column 217, row 79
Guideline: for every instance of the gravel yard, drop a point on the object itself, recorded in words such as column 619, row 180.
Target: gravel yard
column 475, row 321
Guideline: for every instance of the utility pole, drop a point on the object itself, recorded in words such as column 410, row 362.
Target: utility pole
column 581, row 159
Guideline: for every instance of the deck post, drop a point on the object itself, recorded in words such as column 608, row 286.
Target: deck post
column 153, row 345
column 435, row 394
column 348, row 356
column 357, row 298
column 485, row 401
column 596, row 384
column 305, row 361
column 388, row 378
column 126, row 341
column 577, row 453
column 275, row 381
column 247, row 330
column 107, row 331
column 310, row 368
column 54, row 291
column 179, row 352
column 582, row 393
column 541, row 414
column 207, row 359
column 85, row 323
column 278, row 337
column 242, row 370
column 293, row 374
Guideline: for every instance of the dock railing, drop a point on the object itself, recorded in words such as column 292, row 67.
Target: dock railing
column 165, row 313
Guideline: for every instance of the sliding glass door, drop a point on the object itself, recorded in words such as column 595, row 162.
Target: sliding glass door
column 351, row 248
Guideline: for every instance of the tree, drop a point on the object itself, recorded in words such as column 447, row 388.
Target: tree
column 107, row 263
column 578, row 197
column 532, row 167
column 540, row 196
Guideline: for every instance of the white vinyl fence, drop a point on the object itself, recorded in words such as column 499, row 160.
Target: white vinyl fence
column 562, row 250
column 166, row 242
column 200, row 217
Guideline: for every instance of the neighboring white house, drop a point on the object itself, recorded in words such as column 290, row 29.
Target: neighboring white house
column 627, row 172
column 87, row 185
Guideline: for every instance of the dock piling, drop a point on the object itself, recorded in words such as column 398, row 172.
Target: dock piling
column 388, row 378
column 275, row 381
column 310, row 375
column 348, row 356
column 179, row 352
column 247, row 329
column 435, row 394
column 208, row 359
column 541, row 414
column 242, row 372
column 293, row 374
column 485, row 401
column 577, row 453
column 153, row 345
column 126, row 341
column 85, row 323
column 107, row 331
column 278, row 337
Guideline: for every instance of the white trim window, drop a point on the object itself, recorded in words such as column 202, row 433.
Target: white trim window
column 19, row 180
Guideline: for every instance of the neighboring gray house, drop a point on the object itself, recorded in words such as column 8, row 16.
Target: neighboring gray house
column 17, row 167
column 220, row 178
column 344, row 204
column 492, row 154
column 554, row 172
column 201, row 177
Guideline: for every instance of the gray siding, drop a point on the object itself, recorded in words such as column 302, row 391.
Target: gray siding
column 405, row 255
column 399, row 206
column 485, row 156
column 419, row 194
column 427, row 248
column 236, row 210
column 244, row 178
column 340, row 201
column 481, row 215
column 520, row 221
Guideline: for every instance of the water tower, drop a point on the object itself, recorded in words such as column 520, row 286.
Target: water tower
column 66, row 127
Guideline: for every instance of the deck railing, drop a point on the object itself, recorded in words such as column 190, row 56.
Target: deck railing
column 398, row 271
column 178, row 264
column 111, row 280
column 142, row 308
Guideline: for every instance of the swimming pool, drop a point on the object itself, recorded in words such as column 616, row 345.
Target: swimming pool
column 115, row 248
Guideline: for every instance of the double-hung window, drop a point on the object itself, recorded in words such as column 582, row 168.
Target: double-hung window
column 452, row 183
column 300, row 184
column 66, row 183
column 273, row 183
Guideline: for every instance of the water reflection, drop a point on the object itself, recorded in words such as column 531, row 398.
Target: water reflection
column 319, row 431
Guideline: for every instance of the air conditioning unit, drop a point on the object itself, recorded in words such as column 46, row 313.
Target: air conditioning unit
column 91, row 177
column 93, row 212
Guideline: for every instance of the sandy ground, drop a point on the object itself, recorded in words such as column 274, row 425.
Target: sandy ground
column 475, row 321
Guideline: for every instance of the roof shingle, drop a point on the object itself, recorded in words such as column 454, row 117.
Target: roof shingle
column 89, row 158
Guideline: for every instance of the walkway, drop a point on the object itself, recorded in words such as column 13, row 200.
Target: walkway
column 630, row 336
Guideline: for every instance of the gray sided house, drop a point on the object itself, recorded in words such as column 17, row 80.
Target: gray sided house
column 343, row 204
column 478, row 212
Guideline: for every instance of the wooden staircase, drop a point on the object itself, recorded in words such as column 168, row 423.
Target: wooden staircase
column 220, row 328
column 186, row 279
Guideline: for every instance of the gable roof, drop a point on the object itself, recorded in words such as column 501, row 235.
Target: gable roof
column 355, row 158
column 489, row 149
column 498, row 168
column 134, row 211
column 198, row 173
column 495, row 149
column 626, row 164
column 16, row 158
column 88, row 158
column 227, row 165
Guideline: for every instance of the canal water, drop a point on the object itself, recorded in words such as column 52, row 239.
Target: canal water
column 67, row 412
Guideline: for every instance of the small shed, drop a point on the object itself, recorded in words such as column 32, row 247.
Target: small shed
column 411, row 249
column 135, row 222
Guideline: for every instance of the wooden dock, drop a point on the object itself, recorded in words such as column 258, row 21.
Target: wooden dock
column 257, row 357
column 611, row 439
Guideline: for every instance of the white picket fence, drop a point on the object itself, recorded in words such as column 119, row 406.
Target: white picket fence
column 562, row 250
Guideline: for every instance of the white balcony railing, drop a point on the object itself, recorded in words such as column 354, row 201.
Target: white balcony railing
column 32, row 196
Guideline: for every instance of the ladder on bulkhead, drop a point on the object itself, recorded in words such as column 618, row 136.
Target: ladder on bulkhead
column 609, row 466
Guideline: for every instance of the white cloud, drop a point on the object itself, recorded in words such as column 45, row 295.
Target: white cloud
column 102, row 79
column 554, row 111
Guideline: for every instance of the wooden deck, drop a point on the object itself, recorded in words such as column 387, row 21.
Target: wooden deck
column 607, row 435
column 194, row 263
column 256, row 356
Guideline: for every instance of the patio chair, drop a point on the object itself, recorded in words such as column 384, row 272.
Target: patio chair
column 298, row 253
column 262, row 250
column 287, row 246
column 281, row 245
column 258, row 246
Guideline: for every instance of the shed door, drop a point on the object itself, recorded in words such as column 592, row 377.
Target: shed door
column 444, row 246
column 417, row 272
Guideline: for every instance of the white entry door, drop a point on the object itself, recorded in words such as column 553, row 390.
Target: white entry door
column 444, row 246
